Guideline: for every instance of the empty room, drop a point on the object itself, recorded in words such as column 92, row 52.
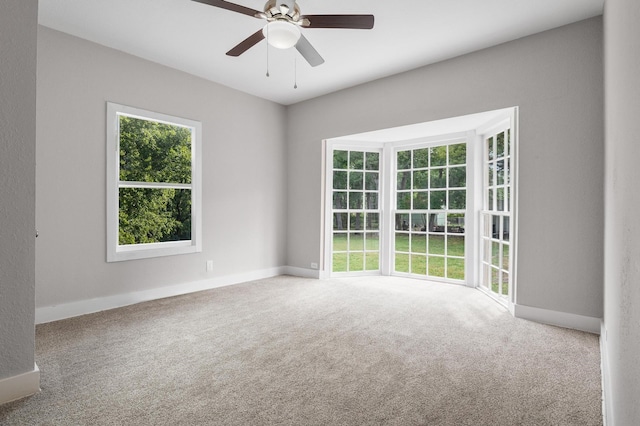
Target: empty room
column 321, row 213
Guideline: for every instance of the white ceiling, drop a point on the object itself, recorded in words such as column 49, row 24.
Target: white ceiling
column 194, row 37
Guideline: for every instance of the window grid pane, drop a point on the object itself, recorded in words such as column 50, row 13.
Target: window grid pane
column 154, row 215
column 151, row 151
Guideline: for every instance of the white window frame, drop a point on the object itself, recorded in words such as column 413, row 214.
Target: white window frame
column 117, row 252
column 467, row 138
column 387, row 201
column 491, row 130
column 329, row 147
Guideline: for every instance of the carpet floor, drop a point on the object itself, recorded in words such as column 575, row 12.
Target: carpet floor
column 293, row 351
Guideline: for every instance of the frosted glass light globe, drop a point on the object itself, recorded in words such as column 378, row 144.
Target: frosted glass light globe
column 281, row 34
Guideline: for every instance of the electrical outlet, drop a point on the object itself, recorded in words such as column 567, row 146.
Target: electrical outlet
column 209, row 265
column 314, row 265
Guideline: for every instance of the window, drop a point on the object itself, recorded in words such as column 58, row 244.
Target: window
column 153, row 184
column 434, row 201
column 496, row 214
column 430, row 211
column 355, row 211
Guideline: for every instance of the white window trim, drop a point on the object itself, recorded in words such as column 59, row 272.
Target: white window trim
column 467, row 138
column 387, row 201
column 117, row 252
column 327, row 179
column 490, row 130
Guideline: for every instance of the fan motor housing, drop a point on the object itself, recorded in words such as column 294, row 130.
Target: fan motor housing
column 273, row 10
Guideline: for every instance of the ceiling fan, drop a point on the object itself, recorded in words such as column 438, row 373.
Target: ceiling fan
column 283, row 26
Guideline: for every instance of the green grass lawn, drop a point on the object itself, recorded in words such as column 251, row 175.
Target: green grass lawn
column 421, row 254
column 499, row 262
column 420, row 257
column 430, row 255
column 357, row 259
column 497, row 282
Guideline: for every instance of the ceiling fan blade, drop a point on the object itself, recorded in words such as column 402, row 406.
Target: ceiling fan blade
column 231, row 6
column 246, row 44
column 360, row 22
column 308, row 52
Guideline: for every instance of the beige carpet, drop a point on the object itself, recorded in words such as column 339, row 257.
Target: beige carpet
column 291, row 351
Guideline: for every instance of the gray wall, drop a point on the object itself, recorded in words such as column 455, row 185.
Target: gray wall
column 244, row 172
column 18, row 28
column 556, row 79
column 622, row 204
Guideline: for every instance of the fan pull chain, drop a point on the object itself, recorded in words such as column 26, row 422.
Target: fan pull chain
column 267, row 51
column 295, row 71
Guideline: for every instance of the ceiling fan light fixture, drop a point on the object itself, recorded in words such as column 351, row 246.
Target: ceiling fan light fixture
column 281, row 34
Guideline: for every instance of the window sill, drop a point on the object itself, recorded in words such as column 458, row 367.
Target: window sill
column 145, row 251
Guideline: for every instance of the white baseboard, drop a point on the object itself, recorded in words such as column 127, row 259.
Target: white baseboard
column 73, row 309
column 302, row 272
column 561, row 319
column 20, row 386
column 607, row 403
